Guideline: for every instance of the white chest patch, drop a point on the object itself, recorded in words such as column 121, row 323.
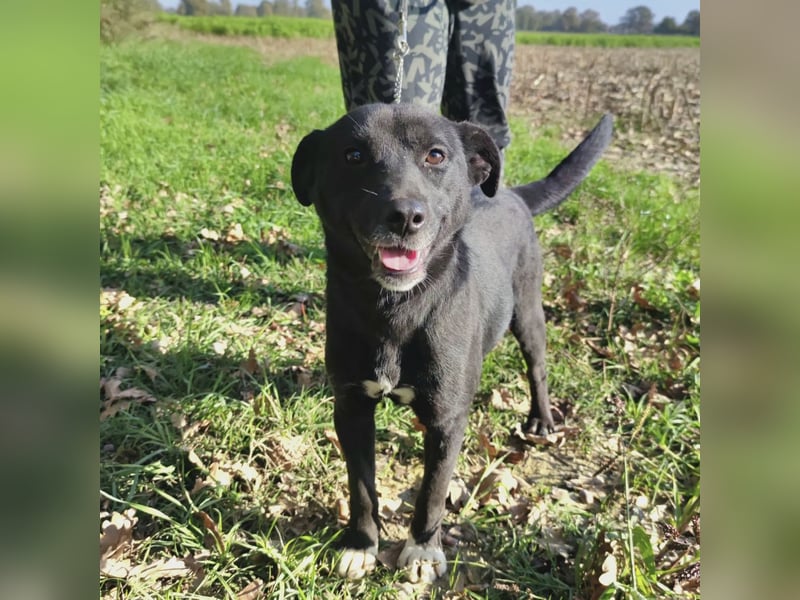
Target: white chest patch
column 377, row 389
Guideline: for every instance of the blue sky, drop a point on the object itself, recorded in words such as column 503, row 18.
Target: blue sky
column 611, row 11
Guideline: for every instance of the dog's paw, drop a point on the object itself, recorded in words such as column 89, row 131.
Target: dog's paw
column 422, row 563
column 535, row 426
column 354, row 563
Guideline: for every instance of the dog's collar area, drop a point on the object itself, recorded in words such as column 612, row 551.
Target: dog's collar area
column 403, row 394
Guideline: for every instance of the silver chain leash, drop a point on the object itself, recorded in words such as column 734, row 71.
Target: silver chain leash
column 400, row 50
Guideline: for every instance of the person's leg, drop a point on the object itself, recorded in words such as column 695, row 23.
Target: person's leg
column 366, row 38
column 479, row 65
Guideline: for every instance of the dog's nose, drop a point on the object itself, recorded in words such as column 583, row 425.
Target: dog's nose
column 406, row 216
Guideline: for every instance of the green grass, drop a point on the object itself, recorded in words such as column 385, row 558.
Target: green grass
column 293, row 27
column 271, row 26
column 606, row 40
column 212, row 327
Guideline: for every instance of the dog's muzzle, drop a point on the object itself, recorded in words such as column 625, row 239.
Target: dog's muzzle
column 398, row 243
column 399, row 269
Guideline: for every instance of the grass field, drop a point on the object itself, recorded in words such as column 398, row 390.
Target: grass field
column 274, row 25
column 220, row 474
column 290, row 27
column 606, row 40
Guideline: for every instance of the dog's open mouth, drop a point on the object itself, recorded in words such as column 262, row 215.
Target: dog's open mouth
column 397, row 268
column 400, row 260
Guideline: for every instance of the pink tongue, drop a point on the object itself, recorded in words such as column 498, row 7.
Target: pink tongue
column 398, row 259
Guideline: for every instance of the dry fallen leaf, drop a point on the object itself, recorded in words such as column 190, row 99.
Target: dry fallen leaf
column 457, row 493
column 179, row 421
column 497, row 486
column 117, row 300
column 116, row 544
column 511, row 457
column 609, row 575
column 485, row 443
column 343, row 511
column 640, row 300
column 302, row 376
column 235, row 234
column 601, row 570
column 220, row 475
column 115, row 568
column 287, row 249
column 589, row 488
column 520, row 510
column 601, row 351
column 656, row 399
column 246, row 472
column 194, row 428
column 199, row 484
column 209, row 234
column 193, row 458
column 161, row 568
column 118, row 399
column 561, row 495
column 331, row 436
column 117, row 533
column 562, row 251
column 250, row 365
column 211, row 528
column 505, row 400
column 571, row 293
column 252, row 591
column 417, row 425
column 556, row 438
column 151, row 372
column 694, row 290
column 287, row 451
column 555, row 543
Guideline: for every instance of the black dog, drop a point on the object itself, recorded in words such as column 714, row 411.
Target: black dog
column 428, row 266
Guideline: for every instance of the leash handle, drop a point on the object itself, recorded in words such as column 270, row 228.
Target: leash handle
column 400, row 50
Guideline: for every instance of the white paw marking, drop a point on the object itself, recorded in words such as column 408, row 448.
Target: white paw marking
column 372, row 388
column 404, row 395
column 377, row 389
column 354, row 564
column 382, row 387
column 422, row 563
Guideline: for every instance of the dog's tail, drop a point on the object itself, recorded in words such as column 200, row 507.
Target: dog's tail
column 551, row 191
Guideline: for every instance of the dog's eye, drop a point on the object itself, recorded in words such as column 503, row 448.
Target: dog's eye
column 434, row 157
column 353, row 156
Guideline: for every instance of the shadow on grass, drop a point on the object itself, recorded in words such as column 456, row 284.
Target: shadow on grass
column 168, row 267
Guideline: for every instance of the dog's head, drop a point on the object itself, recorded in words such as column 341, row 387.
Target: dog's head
column 391, row 184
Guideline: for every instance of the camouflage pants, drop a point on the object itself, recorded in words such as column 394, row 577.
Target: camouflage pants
column 460, row 58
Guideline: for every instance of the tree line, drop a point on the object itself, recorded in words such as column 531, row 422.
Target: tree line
column 119, row 17
column 639, row 19
column 286, row 8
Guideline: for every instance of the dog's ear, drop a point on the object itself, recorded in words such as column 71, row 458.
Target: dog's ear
column 303, row 168
column 483, row 157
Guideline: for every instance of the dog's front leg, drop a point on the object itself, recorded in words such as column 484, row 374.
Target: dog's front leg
column 354, row 419
column 422, row 554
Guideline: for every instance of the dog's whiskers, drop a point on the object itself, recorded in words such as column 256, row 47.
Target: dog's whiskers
column 369, row 191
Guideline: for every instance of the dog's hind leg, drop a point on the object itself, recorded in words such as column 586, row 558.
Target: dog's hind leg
column 528, row 327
